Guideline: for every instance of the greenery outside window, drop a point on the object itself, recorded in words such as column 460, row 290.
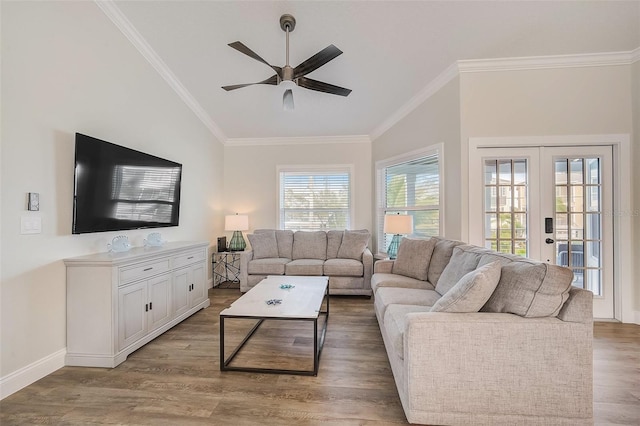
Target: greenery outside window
column 411, row 185
column 315, row 198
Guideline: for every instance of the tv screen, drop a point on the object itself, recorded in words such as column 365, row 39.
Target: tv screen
column 117, row 188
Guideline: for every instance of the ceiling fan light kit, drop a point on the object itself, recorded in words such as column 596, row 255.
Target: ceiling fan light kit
column 290, row 77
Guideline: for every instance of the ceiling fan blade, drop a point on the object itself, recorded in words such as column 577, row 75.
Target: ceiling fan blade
column 316, row 61
column 320, row 86
column 273, row 80
column 240, row 47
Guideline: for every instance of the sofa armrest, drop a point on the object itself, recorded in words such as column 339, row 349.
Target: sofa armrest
column 245, row 257
column 367, row 263
column 498, row 365
column 383, row 266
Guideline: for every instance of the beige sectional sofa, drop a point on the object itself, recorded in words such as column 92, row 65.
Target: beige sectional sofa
column 343, row 256
column 478, row 337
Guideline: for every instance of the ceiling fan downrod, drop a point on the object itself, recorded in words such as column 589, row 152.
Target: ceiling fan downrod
column 288, row 24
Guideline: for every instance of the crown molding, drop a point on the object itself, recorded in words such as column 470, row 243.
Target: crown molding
column 547, row 62
column 309, row 140
column 505, row 64
column 126, row 27
column 432, row 88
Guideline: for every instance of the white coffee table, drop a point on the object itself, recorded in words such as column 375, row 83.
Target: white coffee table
column 302, row 302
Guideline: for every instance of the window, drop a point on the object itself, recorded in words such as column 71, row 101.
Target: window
column 315, row 198
column 411, row 185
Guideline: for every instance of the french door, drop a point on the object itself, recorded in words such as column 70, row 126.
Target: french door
column 553, row 204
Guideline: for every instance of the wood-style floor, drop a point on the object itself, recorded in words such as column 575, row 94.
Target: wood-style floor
column 176, row 379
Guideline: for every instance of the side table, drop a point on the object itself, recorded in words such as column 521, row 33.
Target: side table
column 226, row 267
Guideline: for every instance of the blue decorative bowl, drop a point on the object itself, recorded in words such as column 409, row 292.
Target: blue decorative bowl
column 287, row 286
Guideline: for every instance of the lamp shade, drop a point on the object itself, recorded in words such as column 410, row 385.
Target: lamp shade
column 236, row 222
column 398, row 224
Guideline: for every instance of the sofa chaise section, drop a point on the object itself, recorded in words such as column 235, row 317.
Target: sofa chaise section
column 522, row 355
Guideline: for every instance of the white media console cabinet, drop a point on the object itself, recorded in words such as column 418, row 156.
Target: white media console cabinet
column 118, row 302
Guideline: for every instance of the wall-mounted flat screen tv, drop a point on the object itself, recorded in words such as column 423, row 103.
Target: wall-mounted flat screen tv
column 117, row 188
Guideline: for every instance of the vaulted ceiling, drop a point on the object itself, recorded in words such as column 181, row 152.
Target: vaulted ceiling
column 392, row 51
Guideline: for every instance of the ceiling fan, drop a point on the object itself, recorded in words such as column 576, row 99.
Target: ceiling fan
column 291, row 77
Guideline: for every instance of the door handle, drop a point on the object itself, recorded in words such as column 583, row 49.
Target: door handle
column 549, row 241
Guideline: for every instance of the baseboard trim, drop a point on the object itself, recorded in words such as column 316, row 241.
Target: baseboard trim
column 31, row 373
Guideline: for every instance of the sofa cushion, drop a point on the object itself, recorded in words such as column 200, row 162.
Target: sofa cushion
column 440, row 258
column 284, row 239
column 381, row 279
column 343, row 268
column 531, row 289
column 395, row 323
column 264, row 245
column 353, row 245
column 472, row 291
column 310, row 245
column 334, row 239
column 386, row 296
column 413, row 257
column 304, row 267
column 267, row 266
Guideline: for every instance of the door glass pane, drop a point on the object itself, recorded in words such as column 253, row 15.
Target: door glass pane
column 520, row 198
column 505, row 172
column 490, row 199
column 576, row 202
column 490, row 172
column 490, row 226
column 519, row 172
column 520, row 225
column 576, row 227
column 505, row 193
column 578, row 220
column 561, row 172
column 562, row 200
column 576, row 171
column 592, row 228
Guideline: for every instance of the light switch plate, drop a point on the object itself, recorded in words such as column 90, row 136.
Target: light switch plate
column 31, row 224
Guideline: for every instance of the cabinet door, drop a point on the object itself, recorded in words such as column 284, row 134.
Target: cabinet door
column 132, row 317
column 181, row 293
column 159, row 289
column 199, row 281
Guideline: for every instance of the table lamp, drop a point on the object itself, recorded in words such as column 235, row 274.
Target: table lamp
column 236, row 223
column 397, row 224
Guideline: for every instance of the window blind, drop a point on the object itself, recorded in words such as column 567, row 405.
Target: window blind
column 315, row 200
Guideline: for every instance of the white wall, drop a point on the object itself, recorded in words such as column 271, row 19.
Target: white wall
column 437, row 120
column 250, row 178
column 67, row 69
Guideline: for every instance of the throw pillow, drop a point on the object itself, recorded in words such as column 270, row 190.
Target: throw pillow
column 472, row 291
column 264, row 245
column 353, row 245
column 414, row 255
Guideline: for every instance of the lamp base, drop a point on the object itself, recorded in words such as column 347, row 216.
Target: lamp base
column 237, row 242
column 392, row 251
